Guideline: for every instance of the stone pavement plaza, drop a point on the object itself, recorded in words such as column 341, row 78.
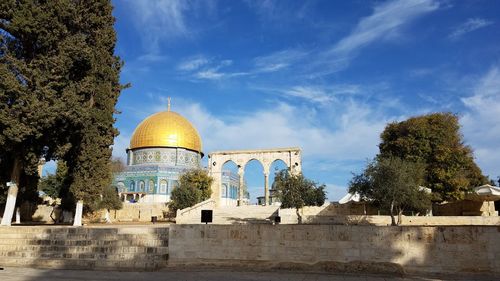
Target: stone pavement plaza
column 28, row 274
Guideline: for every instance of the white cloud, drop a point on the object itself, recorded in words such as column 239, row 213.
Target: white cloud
column 355, row 135
column 322, row 95
column 385, row 23
column 210, row 74
column 160, row 20
column 211, row 71
column 469, row 26
column 481, row 124
column 121, row 143
column 278, row 60
column 312, row 94
column 193, row 63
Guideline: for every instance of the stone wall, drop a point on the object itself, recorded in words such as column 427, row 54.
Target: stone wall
column 465, row 208
column 130, row 212
column 135, row 248
column 289, row 217
column 339, row 248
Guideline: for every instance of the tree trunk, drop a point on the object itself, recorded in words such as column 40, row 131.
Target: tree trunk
column 10, row 205
column 400, row 216
column 393, row 220
column 107, row 217
column 299, row 217
column 78, row 213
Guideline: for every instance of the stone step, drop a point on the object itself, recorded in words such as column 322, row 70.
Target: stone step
column 135, row 264
column 5, row 255
column 82, row 236
column 85, row 243
column 77, row 250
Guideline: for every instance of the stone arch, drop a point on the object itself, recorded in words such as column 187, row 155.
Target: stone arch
column 290, row 156
column 252, row 159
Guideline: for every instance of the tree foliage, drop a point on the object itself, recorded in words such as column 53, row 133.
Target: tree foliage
column 59, row 87
column 434, row 140
column 110, row 199
column 296, row 191
column 393, row 184
column 194, row 187
column 52, row 184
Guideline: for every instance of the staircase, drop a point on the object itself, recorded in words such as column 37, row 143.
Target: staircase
column 133, row 248
column 231, row 215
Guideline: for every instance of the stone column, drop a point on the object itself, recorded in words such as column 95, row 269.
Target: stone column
column 241, row 173
column 266, row 188
column 77, row 221
column 10, row 205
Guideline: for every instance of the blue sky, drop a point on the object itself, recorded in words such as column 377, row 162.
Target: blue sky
column 325, row 76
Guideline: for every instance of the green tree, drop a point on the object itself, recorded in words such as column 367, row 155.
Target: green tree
column 30, row 105
column 296, row 191
column 394, row 185
column 435, row 140
column 194, row 187
column 110, row 201
column 53, row 183
column 59, row 87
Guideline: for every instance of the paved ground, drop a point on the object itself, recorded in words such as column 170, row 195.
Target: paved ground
column 28, row 274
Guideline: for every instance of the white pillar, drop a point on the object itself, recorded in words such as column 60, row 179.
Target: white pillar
column 18, row 215
column 241, row 173
column 78, row 214
column 107, row 217
column 10, row 205
column 266, row 188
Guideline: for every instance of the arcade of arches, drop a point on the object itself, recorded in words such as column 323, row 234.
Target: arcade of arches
column 290, row 156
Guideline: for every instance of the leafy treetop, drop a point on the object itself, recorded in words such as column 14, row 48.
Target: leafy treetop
column 435, row 141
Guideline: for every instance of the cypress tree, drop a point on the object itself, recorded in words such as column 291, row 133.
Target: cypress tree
column 59, row 88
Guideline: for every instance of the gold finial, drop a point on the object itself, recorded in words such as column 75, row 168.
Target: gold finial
column 168, row 106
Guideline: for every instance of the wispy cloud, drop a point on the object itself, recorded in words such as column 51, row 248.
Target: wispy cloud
column 481, row 123
column 280, row 13
column 469, row 26
column 385, row 23
column 214, row 70
column 322, row 95
column 278, row 60
column 386, row 20
column 161, row 20
column 316, row 95
column 193, row 63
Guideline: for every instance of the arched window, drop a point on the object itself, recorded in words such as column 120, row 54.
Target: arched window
column 163, row 186
column 121, row 187
column 151, row 186
column 132, row 186
column 141, row 186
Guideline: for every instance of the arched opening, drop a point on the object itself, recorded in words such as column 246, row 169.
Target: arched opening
column 253, row 182
column 276, row 166
column 230, row 182
column 163, row 186
column 151, row 187
column 141, row 186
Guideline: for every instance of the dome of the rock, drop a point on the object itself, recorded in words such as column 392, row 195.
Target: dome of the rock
column 166, row 129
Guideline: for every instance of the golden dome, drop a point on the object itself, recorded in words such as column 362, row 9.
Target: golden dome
column 166, row 129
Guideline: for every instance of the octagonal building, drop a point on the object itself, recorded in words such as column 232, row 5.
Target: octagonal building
column 162, row 147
